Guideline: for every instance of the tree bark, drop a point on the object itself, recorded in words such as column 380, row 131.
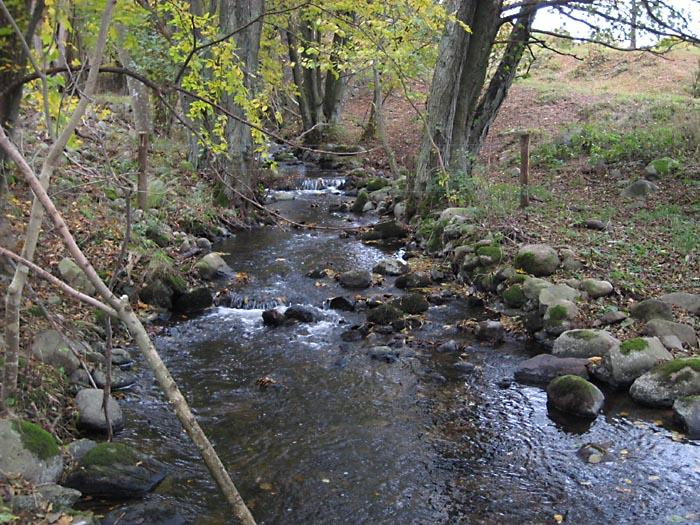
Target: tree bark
column 378, row 107
column 234, row 14
column 53, row 159
column 123, row 310
column 13, row 59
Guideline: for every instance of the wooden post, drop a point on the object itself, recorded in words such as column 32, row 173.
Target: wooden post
column 143, row 165
column 524, row 169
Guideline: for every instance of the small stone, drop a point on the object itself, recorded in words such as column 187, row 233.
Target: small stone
column 391, row 267
column 450, row 346
column 613, row 317
column 384, row 314
column 342, row 303
column 384, row 353
column 273, row 317
column 595, row 288
column 593, row 224
column 301, row 313
column 413, row 280
column 639, row 189
column 413, row 304
column 542, row 368
column 203, row 244
column 464, row 367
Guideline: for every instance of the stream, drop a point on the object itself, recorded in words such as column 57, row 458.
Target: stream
column 343, row 438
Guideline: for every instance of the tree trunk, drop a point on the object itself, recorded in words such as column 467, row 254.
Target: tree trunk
column 13, row 60
column 378, row 107
column 335, row 85
column 53, row 159
column 235, row 14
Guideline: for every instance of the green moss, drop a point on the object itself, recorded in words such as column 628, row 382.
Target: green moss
column 384, row 314
column 586, row 335
column 360, row 201
column 375, row 184
column 557, row 313
column 106, row 454
column 494, row 252
column 514, row 295
column 435, row 240
column 524, row 260
column 36, row 439
column 568, row 383
column 672, row 367
column 633, row 345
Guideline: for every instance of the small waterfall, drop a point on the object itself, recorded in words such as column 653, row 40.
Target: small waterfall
column 246, row 302
column 320, row 183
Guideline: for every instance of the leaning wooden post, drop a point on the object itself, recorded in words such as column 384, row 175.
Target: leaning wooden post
column 524, row 169
column 143, row 165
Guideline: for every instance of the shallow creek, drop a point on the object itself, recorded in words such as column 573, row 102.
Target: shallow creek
column 343, row 438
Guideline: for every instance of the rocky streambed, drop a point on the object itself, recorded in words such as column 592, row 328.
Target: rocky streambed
column 344, row 380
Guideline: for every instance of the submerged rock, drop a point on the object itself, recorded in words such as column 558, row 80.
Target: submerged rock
column 537, row 259
column 90, row 414
column 624, row 363
column 491, row 331
column 151, row 513
column 667, row 382
column 116, row 471
column 584, row 343
column 574, row 395
column 29, row 451
column 542, row 368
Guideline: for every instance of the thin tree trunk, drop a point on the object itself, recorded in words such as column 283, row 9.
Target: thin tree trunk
column 378, row 107
column 335, row 84
column 14, row 292
column 123, row 310
column 233, row 15
column 298, row 77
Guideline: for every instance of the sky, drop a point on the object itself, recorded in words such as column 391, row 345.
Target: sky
column 550, row 20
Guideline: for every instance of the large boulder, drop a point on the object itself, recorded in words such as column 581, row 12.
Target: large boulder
column 574, row 395
column 73, row 275
column 391, row 267
column 595, row 288
column 626, row 362
column 662, row 385
column 537, row 259
column 385, row 231
column 115, row 471
column 652, row 309
column 687, row 301
column 29, row 451
column 663, row 328
column 355, row 279
column 584, row 343
column 51, row 347
column 542, row 368
column 687, row 412
column 212, row 266
column 91, row 417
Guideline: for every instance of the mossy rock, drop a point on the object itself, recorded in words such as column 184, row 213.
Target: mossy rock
column 37, row 440
column 637, row 344
column 384, row 314
column 574, row 395
column 514, row 296
column 107, row 454
column 376, row 183
column 558, row 313
column 675, row 366
column 667, row 382
column 413, row 303
column 495, row 253
column 360, row 201
column 537, row 259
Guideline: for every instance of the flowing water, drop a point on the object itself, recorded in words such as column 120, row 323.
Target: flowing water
column 343, row 438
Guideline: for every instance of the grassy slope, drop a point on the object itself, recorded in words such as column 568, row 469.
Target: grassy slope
column 623, row 108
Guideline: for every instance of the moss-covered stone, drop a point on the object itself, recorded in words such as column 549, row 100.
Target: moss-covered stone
column 675, row 366
column 558, row 313
column 494, row 252
column 413, row 303
column 360, row 201
column 514, row 296
column 107, row 454
column 586, row 335
column 375, row 184
column 384, row 314
column 633, row 345
column 575, row 395
column 35, row 439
